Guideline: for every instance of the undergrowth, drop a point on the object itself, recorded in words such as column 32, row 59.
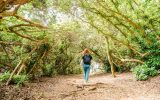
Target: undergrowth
column 143, row 72
column 16, row 79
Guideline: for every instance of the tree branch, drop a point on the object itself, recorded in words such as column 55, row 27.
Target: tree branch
column 126, row 18
column 132, row 60
column 127, row 60
column 11, row 43
column 31, row 22
column 23, row 36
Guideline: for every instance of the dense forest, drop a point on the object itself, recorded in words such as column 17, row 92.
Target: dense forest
column 46, row 37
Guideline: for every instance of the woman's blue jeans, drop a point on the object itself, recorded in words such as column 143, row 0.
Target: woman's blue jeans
column 86, row 69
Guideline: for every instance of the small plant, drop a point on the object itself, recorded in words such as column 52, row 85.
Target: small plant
column 20, row 79
column 5, row 76
column 143, row 72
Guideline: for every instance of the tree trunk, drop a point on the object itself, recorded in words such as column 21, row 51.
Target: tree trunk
column 8, row 81
column 110, row 59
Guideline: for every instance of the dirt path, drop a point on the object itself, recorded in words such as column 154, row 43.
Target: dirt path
column 100, row 87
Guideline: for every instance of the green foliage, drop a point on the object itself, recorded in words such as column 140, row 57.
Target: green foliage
column 106, row 68
column 48, row 70
column 4, row 76
column 16, row 79
column 131, row 27
column 65, row 5
column 116, row 68
column 143, row 72
column 103, row 16
column 152, row 48
column 20, row 79
column 74, row 70
column 122, row 69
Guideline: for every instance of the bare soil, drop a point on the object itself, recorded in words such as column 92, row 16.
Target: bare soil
column 72, row 87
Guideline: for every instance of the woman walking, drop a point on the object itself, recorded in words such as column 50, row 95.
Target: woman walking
column 86, row 63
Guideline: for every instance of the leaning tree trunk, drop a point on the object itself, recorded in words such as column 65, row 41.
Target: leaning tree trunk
column 110, row 59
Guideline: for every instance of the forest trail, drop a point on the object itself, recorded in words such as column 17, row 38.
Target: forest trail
column 100, row 87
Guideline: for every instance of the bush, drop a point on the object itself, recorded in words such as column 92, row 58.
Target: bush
column 48, row 70
column 74, row 70
column 16, row 79
column 143, row 72
column 20, row 79
column 153, row 71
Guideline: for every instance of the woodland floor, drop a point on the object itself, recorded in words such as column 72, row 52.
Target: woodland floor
column 72, row 87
